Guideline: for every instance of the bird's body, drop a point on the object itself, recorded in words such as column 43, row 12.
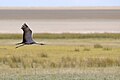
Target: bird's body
column 27, row 36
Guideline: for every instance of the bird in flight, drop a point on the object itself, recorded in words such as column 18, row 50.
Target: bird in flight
column 27, row 37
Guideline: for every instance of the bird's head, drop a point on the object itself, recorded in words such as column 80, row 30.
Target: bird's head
column 24, row 26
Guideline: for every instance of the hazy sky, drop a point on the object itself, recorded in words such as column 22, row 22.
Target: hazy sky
column 59, row 2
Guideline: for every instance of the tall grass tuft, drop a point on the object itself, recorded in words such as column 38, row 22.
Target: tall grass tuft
column 44, row 55
column 98, row 46
column 107, row 49
column 86, row 49
column 77, row 50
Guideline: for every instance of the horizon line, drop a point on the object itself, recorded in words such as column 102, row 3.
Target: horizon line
column 59, row 7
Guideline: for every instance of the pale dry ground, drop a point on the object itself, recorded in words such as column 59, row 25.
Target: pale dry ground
column 61, row 25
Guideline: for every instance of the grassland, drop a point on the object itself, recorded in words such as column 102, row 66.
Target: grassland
column 64, row 57
column 64, row 36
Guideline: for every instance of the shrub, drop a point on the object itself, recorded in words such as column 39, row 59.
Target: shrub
column 76, row 50
column 98, row 46
column 107, row 49
column 44, row 55
column 86, row 49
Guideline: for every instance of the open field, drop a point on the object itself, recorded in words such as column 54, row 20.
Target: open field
column 65, row 36
column 61, row 53
column 62, row 58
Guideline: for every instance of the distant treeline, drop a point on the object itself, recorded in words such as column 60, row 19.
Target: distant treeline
column 64, row 36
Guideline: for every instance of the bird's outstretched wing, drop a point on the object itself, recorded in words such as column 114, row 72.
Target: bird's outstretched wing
column 20, row 45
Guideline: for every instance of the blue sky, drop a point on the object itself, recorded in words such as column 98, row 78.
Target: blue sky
column 36, row 3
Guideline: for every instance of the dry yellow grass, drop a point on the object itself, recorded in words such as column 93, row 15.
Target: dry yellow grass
column 58, row 53
column 65, row 59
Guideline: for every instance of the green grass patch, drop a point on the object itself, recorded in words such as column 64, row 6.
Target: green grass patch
column 63, row 36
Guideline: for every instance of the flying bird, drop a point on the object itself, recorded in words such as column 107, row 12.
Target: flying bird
column 27, row 36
